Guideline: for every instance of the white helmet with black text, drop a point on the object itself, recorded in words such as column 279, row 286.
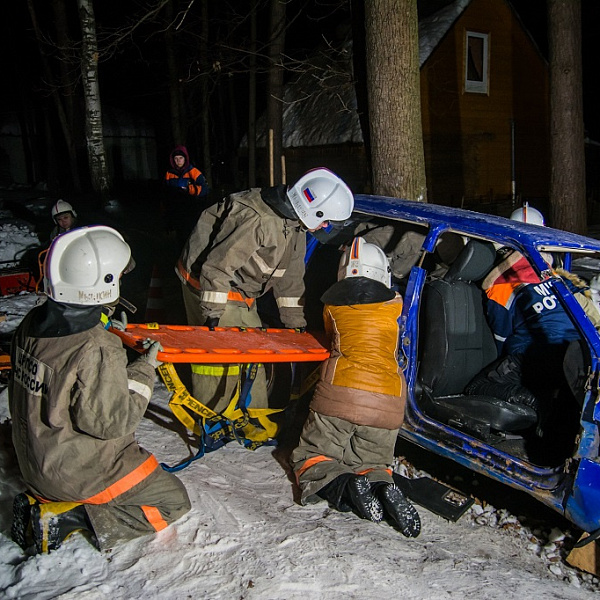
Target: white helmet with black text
column 84, row 266
column 362, row 259
column 319, row 196
column 527, row 214
column 60, row 207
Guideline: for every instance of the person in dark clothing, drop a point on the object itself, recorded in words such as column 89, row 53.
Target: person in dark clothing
column 186, row 185
column 532, row 329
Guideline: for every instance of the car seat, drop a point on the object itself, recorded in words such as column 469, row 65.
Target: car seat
column 455, row 343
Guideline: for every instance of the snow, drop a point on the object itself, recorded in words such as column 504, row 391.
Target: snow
column 246, row 536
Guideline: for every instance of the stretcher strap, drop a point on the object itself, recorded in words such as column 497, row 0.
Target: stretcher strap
column 249, row 427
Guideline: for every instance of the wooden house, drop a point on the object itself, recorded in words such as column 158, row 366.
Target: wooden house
column 485, row 111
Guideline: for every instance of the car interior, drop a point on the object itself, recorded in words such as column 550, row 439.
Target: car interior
column 455, row 343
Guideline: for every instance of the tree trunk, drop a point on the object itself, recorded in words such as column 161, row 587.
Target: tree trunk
column 252, row 100
column 567, row 153
column 68, row 95
column 392, row 50
column 274, row 131
column 205, row 95
column 178, row 130
column 93, row 111
column 60, row 110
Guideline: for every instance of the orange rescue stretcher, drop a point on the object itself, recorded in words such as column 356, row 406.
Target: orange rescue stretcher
column 196, row 344
column 250, row 427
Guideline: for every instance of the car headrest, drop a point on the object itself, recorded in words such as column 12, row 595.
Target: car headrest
column 473, row 263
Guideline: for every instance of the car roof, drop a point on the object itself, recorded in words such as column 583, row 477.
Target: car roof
column 491, row 227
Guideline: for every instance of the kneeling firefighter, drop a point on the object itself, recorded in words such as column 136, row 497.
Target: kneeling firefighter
column 75, row 404
column 347, row 443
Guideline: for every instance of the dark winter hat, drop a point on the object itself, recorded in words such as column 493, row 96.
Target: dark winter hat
column 178, row 153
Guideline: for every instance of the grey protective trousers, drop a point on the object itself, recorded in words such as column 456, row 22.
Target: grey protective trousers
column 214, row 385
column 134, row 513
column 330, row 447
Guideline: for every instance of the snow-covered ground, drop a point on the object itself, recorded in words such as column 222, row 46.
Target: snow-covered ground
column 246, row 538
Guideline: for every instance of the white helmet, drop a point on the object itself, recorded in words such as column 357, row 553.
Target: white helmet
column 526, row 214
column 319, row 196
column 362, row 259
column 62, row 207
column 84, row 266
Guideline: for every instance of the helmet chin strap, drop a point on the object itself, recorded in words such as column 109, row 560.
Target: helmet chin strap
column 132, row 308
column 110, row 308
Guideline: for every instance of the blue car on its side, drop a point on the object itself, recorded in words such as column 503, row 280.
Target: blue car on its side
column 439, row 255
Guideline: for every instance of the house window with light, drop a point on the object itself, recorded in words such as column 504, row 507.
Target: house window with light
column 476, row 63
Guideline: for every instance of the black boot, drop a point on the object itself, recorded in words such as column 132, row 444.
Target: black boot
column 399, row 509
column 334, row 492
column 362, row 499
column 53, row 522
column 20, row 530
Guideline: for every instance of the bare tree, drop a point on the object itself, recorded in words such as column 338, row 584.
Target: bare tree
column 93, row 108
column 392, row 51
column 60, row 83
column 275, row 92
column 567, row 154
column 252, row 99
column 175, row 88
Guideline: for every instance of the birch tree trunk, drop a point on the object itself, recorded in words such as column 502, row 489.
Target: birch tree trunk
column 91, row 91
column 392, row 49
column 567, row 152
column 274, row 132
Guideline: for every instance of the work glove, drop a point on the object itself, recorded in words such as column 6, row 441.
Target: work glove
column 211, row 323
column 121, row 324
column 152, row 348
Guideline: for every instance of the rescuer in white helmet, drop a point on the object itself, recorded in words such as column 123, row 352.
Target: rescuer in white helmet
column 64, row 217
column 528, row 214
column 76, row 402
column 532, row 329
column 347, row 444
column 250, row 243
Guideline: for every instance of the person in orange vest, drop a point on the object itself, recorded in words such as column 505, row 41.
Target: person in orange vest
column 347, row 444
column 186, row 186
column 75, row 404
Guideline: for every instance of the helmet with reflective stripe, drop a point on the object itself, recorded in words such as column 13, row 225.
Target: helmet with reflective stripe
column 527, row 214
column 362, row 259
column 61, row 207
column 84, row 266
column 319, row 196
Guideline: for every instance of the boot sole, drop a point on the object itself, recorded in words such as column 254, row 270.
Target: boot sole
column 401, row 511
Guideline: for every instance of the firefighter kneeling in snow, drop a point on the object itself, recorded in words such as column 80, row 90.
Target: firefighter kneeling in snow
column 347, row 443
column 75, row 404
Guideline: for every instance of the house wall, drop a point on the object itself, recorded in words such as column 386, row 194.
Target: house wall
column 467, row 136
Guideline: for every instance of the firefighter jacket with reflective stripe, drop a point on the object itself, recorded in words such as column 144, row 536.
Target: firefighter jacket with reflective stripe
column 523, row 310
column 362, row 382
column 242, row 248
column 75, row 405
